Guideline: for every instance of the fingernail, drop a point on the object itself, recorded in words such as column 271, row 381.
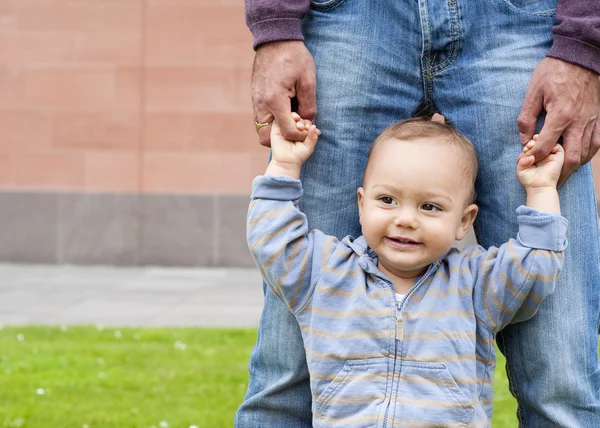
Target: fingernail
column 523, row 137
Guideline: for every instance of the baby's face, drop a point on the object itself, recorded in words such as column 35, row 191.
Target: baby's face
column 413, row 204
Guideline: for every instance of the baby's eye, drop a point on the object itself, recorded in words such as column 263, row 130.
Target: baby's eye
column 387, row 200
column 429, row 207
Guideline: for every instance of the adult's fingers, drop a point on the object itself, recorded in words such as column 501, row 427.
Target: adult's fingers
column 594, row 145
column 280, row 107
column 573, row 144
column 531, row 109
column 263, row 115
column 306, row 94
column 553, row 128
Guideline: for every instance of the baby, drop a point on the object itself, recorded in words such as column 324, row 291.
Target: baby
column 398, row 326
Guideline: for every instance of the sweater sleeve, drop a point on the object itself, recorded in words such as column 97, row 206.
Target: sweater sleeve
column 577, row 33
column 512, row 281
column 272, row 20
column 289, row 256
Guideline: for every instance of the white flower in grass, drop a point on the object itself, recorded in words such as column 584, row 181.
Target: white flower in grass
column 180, row 346
column 99, row 327
column 40, row 391
column 19, row 422
column 163, row 424
column 85, row 426
column 118, row 334
column 101, row 375
column 63, row 328
column 20, row 337
column 193, row 426
column 100, row 361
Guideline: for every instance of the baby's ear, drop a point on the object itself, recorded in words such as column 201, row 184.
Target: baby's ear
column 466, row 221
column 359, row 197
column 438, row 118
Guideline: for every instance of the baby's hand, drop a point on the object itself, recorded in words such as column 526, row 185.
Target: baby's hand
column 288, row 152
column 544, row 173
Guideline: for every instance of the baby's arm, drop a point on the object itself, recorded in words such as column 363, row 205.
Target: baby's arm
column 539, row 179
column 513, row 280
column 289, row 256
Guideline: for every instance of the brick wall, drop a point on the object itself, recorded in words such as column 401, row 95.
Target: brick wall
column 126, row 95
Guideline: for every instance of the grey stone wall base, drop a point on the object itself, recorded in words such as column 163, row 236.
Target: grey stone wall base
column 124, row 229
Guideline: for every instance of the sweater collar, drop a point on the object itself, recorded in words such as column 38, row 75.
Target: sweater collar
column 368, row 258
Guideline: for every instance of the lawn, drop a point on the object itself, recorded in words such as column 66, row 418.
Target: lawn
column 88, row 377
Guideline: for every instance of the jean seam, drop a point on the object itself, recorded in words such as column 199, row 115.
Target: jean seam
column 326, row 7
column 455, row 34
column 543, row 13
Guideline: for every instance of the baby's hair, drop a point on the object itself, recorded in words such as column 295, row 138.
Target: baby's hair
column 444, row 133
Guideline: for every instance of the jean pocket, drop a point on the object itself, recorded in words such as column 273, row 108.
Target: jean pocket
column 325, row 5
column 355, row 396
column 428, row 390
column 533, row 7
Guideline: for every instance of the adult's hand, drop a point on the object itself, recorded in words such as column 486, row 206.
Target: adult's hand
column 570, row 95
column 283, row 70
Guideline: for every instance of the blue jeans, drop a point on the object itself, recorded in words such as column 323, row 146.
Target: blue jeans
column 379, row 61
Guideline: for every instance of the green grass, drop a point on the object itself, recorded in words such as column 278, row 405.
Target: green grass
column 85, row 376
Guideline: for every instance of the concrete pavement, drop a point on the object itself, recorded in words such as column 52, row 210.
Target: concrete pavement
column 114, row 296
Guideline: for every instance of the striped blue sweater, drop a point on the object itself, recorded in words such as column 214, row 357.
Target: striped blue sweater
column 428, row 362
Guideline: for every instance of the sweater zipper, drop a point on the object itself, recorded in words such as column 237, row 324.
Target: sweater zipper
column 399, row 310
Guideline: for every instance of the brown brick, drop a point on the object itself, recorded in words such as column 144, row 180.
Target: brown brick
column 5, row 171
column 198, row 89
column 200, row 132
column 83, row 87
column 115, row 16
column 35, row 48
column 181, row 172
column 12, row 83
column 110, row 171
column 8, row 15
column 47, row 170
column 114, row 130
column 128, row 88
column 196, row 34
column 109, row 47
column 25, row 131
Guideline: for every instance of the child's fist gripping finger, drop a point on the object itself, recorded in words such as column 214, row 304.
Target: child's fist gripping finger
column 294, row 152
column 544, row 173
column 288, row 156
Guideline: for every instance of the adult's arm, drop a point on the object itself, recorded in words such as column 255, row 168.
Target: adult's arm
column 283, row 67
column 275, row 20
column 567, row 87
column 577, row 33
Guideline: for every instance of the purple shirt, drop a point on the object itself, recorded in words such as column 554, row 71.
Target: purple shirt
column 576, row 35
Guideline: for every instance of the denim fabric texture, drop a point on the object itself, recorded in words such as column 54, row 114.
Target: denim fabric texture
column 379, row 61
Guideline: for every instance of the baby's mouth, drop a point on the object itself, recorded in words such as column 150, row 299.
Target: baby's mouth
column 398, row 241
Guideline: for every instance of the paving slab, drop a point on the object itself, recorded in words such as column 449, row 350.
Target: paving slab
column 129, row 296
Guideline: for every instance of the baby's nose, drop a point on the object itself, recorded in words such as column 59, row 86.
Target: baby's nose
column 406, row 217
